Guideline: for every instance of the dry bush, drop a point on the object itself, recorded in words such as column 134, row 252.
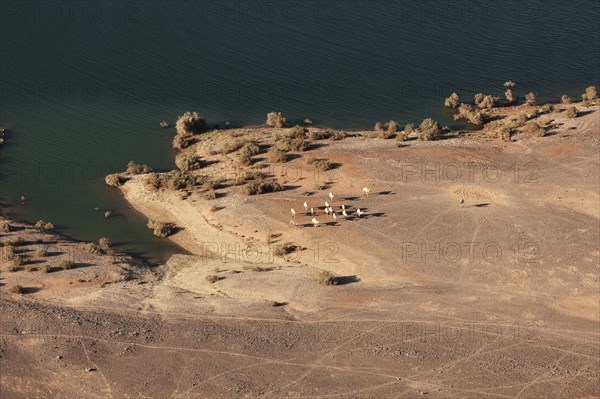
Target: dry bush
column 180, row 142
column 335, row 135
column 378, row 128
column 161, row 229
column 453, row 101
column 66, row 265
column 190, row 123
column 8, row 252
column 5, row 226
column 188, row 163
column 409, row 128
column 283, row 249
column 261, row 187
column 210, row 195
column 531, row 98
column 546, row 109
column 510, row 96
column 45, row 269
column 92, row 248
column 591, row 93
column 466, row 111
column 565, row 99
column 308, row 122
column 43, row 226
column 392, row 126
column 104, row 244
column 297, row 132
column 212, row 278
column 115, row 180
column 275, row 155
column 402, row 136
column 534, row 129
column 572, row 112
column 320, row 164
column 488, row 102
column 17, row 289
column 292, row 144
column 41, row 253
column 276, row 119
column 326, row 278
column 430, row 130
column 137, row 169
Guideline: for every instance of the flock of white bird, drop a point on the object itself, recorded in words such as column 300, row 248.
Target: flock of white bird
column 329, row 211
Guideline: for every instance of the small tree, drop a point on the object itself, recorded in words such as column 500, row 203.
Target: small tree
column 591, row 93
column 276, row 119
column 160, row 229
column 326, row 278
column 378, row 127
column 487, row 102
column 392, row 126
column 531, row 98
column 190, row 123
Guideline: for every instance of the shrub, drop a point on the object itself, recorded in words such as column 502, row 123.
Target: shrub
column 319, row 134
column 320, row 164
column 210, row 195
column 17, row 289
column 292, row 144
column 283, row 249
column 308, row 122
column 571, row 112
column 336, row 134
column 378, row 127
column 8, row 252
column 18, row 260
column 190, row 123
column 187, row 163
column 591, row 93
column 297, row 132
column 409, row 128
column 510, row 83
column 534, row 129
column 503, row 132
column 244, row 158
column 178, row 180
column 115, row 180
column 452, row 101
column 519, row 121
column 5, row 226
column 41, row 253
column 92, row 248
column 67, row 265
column 467, row 112
column 326, row 278
column 251, row 148
column 546, row 109
column 104, row 244
column 45, row 269
column 276, row 119
column 232, row 145
column 180, row 142
column 392, row 126
column 17, row 241
column 164, row 124
column 430, row 130
column 212, row 278
column 275, row 155
column 478, row 98
column 531, row 98
column 510, row 96
column 488, row 102
column 161, row 229
column 565, row 99
column 137, row 169
column 402, row 136
column 261, row 187
column 43, row 226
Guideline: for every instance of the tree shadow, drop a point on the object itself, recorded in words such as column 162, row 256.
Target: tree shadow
column 343, row 280
column 31, row 290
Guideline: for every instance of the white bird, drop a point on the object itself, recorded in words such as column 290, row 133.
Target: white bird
column 293, row 223
column 305, row 206
column 312, row 211
column 331, row 195
column 293, row 213
column 334, row 216
column 359, row 212
column 366, row 191
column 343, row 207
column 344, row 213
column 326, row 204
column 331, row 210
column 326, row 211
column 315, row 222
column 462, row 201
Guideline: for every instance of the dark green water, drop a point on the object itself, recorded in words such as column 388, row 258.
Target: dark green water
column 84, row 84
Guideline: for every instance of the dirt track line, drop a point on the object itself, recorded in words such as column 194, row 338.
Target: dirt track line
column 87, row 355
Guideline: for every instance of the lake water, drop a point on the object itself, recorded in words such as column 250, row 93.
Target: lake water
column 84, row 84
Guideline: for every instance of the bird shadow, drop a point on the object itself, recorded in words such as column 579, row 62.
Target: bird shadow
column 351, row 198
column 386, row 193
column 480, row 205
